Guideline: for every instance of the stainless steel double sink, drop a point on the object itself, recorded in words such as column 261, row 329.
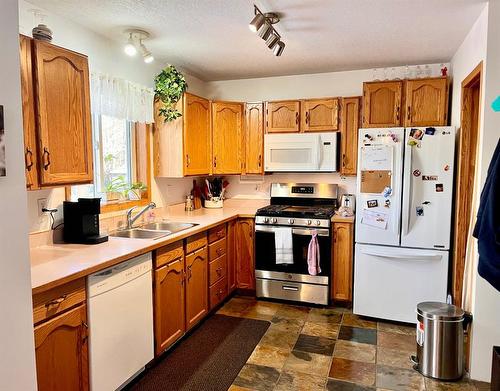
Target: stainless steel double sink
column 153, row 230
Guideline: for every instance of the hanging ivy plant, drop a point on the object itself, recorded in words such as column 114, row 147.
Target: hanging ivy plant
column 170, row 84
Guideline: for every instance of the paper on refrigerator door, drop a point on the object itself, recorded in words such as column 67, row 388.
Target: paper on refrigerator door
column 374, row 219
column 376, row 157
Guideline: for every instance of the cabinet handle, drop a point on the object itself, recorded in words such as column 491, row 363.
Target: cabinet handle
column 86, row 335
column 260, row 160
column 183, row 278
column 189, row 273
column 307, row 117
column 343, row 160
column 397, row 113
column 56, row 301
column 28, row 159
column 408, row 113
column 297, row 118
column 46, row 158
column 215, row 161
column 188, row 161
column 219, row 251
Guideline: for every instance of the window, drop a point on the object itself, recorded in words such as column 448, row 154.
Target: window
column 120, row 161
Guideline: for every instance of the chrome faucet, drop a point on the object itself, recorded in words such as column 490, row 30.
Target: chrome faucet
column 131, row 220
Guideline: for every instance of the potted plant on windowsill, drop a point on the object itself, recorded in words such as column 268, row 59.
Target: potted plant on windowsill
column 115, row 189
column 136, row 191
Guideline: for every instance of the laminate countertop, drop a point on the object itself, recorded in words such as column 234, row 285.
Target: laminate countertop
column 57, row 264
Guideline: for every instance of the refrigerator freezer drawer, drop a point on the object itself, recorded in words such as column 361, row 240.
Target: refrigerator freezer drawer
column 389, row 282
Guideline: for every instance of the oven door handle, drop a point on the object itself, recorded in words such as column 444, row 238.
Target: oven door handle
column 295, row 231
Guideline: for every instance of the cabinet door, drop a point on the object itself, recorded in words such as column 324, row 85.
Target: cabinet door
column 426, row 102
column 231, row 255
column 29, row 124
column 282, row 116
column 254, row 138
column 349, row 134
column 196, row 287
column 245, row 269
column 342, row 261
column 320, row 115
column 382, row 104
column 197, row 149
column 63, row 107
column 169, row 304
column 61, row 352
column 226, row 137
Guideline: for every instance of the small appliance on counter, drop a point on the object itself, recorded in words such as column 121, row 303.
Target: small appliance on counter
column 81, row 221
column 347, row 206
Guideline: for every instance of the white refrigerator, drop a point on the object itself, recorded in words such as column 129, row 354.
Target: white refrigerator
column 403, row 220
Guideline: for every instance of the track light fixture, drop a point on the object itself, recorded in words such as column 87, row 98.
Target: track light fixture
column 135, row 41
column 262, row 24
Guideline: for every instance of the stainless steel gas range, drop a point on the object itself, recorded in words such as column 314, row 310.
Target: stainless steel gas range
column 305, row 209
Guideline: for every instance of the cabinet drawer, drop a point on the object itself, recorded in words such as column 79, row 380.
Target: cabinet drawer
column 217, row 249
column 196, row 242
column 59, row 299
column 218, row 292
column 169, row 253
column 216, row 233
column 218, row 269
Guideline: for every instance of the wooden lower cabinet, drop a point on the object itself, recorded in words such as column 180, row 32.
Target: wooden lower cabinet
column 169, row 304
column 196, row 287
column 245, row 269
column 342, row 259
column 61, row 349
column 231, row 255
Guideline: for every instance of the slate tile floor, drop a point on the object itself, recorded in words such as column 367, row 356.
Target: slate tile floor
column 329, row 349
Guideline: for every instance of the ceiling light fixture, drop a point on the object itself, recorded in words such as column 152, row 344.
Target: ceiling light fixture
column 262, row 24
column 130, row 48
column 135, row 41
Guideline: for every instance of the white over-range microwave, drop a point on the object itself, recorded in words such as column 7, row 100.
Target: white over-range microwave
column 306, row 152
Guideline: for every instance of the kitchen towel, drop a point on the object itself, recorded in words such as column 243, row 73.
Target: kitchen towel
column 487, row 228
column 313, row 255
column 284, row 246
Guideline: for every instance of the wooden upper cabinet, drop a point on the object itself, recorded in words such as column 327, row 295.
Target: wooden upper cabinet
column 61, row 352
column 343, row 237
column 245, row 259
column 382, row 104
column 226, row 137
column 197, row 151
column 29, row 122
column 283, row 116
column 169, row 304
column 196, row 287
column 426, row 102
column 63, row 107
column 320, row 115
column 254, row 139
column 349, row 126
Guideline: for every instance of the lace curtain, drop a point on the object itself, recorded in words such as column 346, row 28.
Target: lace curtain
column 121, row 98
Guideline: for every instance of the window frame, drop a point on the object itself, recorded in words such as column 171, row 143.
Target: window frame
column 107, row 207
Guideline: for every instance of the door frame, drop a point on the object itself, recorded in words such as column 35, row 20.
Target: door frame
column 471, row 92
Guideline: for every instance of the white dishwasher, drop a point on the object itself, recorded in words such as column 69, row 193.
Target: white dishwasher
column 120, row 312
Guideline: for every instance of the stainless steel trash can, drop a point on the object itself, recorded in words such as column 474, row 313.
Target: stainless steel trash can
column 440, row 340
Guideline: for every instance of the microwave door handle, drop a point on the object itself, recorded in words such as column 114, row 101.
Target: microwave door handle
column 316, row 152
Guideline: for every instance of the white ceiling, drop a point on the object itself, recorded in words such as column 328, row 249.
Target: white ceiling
column 211, row 40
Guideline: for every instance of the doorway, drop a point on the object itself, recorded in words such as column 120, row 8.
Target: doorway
column 466, row 164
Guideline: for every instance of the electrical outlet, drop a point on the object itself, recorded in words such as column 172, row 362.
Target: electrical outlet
column 42, row 204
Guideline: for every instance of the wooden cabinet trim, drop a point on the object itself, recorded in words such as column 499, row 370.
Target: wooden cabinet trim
column 57, row 300
column 218, row 292
column 217, row 269
column 216, row 233
column 217, row 249
column 195, row 242
column 168, row 253
column 328, row 121
column 289, row 119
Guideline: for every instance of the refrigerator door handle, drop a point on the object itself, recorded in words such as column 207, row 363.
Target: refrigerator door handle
column 407, row 186
column 381, row 254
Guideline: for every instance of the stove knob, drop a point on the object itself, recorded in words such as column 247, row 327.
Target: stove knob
column 318, row 222
column 266, row 219
column 309, row 222
column 291, row 221
column 275, row 220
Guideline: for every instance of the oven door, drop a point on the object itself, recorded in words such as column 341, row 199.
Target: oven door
column 265, row 255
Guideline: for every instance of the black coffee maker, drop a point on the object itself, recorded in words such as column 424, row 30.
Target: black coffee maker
column 81, row 221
